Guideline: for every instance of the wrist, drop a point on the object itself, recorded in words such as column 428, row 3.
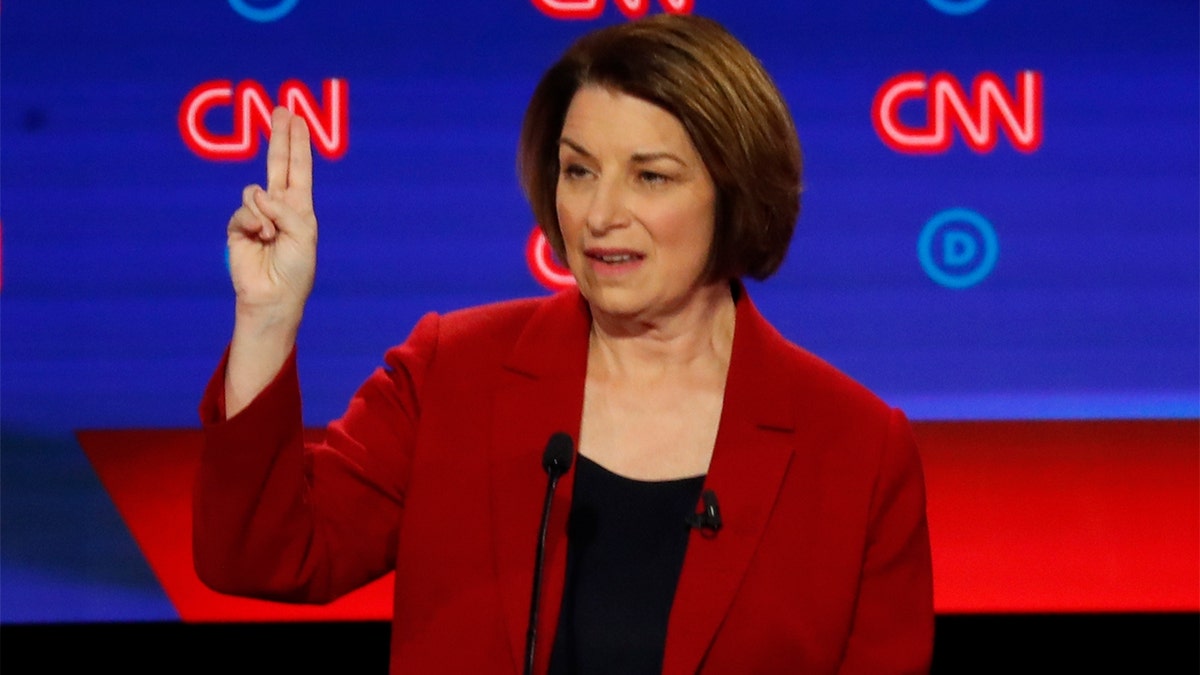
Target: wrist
column 270, row 323
column 260, row 347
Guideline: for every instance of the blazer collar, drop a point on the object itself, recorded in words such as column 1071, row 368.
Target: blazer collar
column 752, row 453
column 542, row 393
column 555, row 339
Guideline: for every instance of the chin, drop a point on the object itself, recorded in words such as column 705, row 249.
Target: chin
column 617, row 302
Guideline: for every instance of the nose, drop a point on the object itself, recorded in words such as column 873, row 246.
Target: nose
column 607, row 207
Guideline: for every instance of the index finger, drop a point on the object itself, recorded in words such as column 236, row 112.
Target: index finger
column 300, row 162
column 278, row 150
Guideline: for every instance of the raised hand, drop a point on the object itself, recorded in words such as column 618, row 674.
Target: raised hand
column 272, row 238
column 272, row 243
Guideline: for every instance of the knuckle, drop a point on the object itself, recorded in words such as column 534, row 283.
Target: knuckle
column 248, row 194
column 240, row 219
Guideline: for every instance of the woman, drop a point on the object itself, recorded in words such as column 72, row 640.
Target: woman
column 663, row 166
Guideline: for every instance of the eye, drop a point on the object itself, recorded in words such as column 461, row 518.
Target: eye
column 652, row 178
column 573, row 171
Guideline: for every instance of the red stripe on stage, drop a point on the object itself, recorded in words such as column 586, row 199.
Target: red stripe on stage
column 149, row 475
column 1030, row 517
column 1087, row 516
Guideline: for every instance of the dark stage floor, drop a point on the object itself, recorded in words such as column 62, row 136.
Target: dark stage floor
column 1074, row 643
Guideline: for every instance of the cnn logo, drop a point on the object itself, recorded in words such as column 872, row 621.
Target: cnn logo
column 544, row 266
column 591, row 9
column 979, row 118
column 250, row 107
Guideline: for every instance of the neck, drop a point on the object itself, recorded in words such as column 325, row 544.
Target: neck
column 699, row 334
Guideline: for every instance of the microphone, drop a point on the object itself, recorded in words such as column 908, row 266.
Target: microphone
column 560, row 451
column 708, row 521
column 556, row 460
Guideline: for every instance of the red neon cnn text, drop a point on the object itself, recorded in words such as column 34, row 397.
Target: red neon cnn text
column 979, row 118
column 250, row 107
column 591, row 9
column 550, row 273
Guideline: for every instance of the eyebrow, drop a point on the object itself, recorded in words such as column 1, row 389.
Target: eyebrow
column 637, row 158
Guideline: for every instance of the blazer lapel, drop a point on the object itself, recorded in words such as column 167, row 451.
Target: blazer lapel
column 752, row 452
column 541, row 392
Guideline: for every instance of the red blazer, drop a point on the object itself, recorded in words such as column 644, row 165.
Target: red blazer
column 822, row 565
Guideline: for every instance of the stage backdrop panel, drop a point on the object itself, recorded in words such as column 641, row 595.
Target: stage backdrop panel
column 1001, row 217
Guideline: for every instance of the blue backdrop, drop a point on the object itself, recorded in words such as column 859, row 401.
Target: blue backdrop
column 1057, row 281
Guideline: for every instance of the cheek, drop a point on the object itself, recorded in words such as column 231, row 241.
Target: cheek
column 570, row 223
column 688, row 229
column 704, row 218
column 566, row 225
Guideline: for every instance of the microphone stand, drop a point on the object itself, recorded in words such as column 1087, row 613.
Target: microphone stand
column 556, row 461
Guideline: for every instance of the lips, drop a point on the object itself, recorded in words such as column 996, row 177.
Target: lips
column 612, row 256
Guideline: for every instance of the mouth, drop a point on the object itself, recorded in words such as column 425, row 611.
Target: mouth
column 614, row 256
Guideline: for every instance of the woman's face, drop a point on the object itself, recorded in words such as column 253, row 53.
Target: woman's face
column 635, row 203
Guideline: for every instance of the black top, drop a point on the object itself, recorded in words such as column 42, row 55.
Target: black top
column 626, row 541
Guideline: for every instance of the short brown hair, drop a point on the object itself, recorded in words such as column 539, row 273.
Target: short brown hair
column 694, row 69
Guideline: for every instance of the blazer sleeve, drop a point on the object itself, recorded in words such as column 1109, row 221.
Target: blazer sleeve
column 893, row 620
column 276, row 518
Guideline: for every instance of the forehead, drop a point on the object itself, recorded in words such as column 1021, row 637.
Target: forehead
column 601, row 119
